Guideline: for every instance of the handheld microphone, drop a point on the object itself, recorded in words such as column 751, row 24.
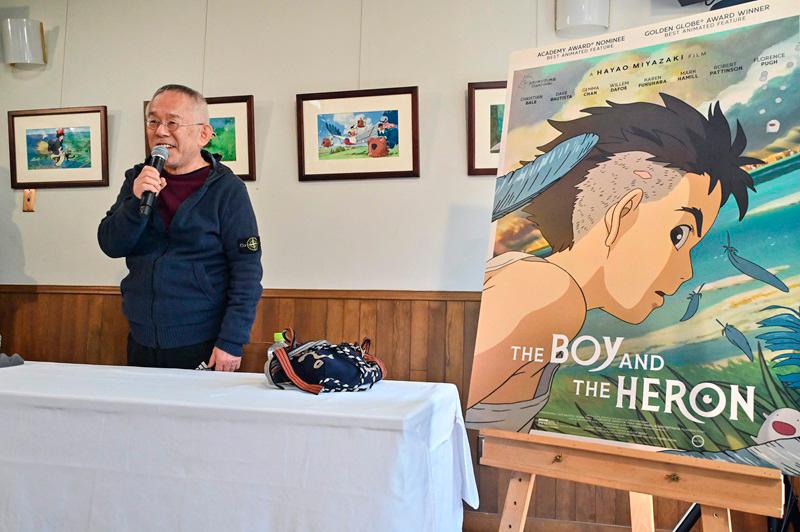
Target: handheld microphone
column 158, row 157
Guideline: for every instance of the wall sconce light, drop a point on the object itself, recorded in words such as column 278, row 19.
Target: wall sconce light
column 23, row 41
column 581, row 18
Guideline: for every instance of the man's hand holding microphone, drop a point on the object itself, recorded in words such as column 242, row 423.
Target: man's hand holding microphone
column 149, row 182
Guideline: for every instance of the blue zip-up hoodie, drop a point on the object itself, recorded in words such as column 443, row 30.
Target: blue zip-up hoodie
column 198, row 280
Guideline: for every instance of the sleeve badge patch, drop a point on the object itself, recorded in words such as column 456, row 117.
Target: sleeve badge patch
column 249, row 245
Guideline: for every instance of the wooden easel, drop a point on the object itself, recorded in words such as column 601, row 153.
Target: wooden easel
column 717, row 486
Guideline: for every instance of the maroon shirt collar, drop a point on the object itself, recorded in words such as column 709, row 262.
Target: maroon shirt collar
column 179, row 187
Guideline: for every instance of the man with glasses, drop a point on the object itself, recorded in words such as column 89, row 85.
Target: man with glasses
column 195, row 264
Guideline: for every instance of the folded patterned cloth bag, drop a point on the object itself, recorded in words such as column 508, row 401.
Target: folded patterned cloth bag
column 320, row 366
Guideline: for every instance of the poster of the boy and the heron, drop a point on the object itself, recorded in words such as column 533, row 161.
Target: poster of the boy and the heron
column 644, row 279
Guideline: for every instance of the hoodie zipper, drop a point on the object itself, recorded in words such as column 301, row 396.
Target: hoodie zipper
column 153, row 279
column 164, row 252
column 153, row 297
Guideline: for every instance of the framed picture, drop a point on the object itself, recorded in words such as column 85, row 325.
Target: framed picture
column 54, row 148
column 364, row 134
column 231, row 117
column 486, row 103
column 234, row 133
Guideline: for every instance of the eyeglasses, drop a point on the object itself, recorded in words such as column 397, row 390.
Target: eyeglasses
column 171, row 125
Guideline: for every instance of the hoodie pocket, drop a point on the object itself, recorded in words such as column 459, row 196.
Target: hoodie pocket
column 136, row 291
column 203, row 281
column 182, row 295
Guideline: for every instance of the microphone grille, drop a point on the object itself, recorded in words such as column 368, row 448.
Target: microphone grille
column 160, row 151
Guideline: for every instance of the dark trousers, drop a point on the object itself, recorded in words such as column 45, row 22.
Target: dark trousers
column 186, row 357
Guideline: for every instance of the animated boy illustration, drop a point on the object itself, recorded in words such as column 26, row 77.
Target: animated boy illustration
column 645, row 186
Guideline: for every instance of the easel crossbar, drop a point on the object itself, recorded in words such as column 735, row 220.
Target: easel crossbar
column 751, row 489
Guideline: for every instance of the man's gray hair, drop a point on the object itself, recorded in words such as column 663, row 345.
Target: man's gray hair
column 201, row 106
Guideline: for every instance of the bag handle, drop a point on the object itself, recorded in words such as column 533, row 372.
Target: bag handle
column 288, row 335
column 286, row 364
column 365, row 345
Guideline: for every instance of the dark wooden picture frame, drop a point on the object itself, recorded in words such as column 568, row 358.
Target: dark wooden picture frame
column 247, row 173
column 399, row 102
column 71, row 156
column 472, row 116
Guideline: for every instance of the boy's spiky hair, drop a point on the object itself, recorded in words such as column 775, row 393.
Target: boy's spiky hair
column 675, row 134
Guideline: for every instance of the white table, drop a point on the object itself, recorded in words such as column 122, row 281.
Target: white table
column 105, row 448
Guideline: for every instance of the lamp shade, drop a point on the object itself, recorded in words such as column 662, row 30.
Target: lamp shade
column 580, row 18
column 23, row 41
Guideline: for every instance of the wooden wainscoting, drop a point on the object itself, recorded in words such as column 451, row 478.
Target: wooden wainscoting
column 421, row 336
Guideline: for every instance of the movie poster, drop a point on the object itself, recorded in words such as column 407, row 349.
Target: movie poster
column 644, row 282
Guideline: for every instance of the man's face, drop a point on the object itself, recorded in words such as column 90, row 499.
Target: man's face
column 650, row 258
column 186, row 141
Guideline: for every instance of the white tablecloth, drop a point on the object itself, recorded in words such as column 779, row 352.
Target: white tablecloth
column 104, row 448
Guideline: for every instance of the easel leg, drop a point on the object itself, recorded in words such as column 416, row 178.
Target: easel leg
column 642, row 516
column 715, row 519
column 518, row 498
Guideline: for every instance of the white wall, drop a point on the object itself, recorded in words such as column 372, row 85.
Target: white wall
column 429, row 233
